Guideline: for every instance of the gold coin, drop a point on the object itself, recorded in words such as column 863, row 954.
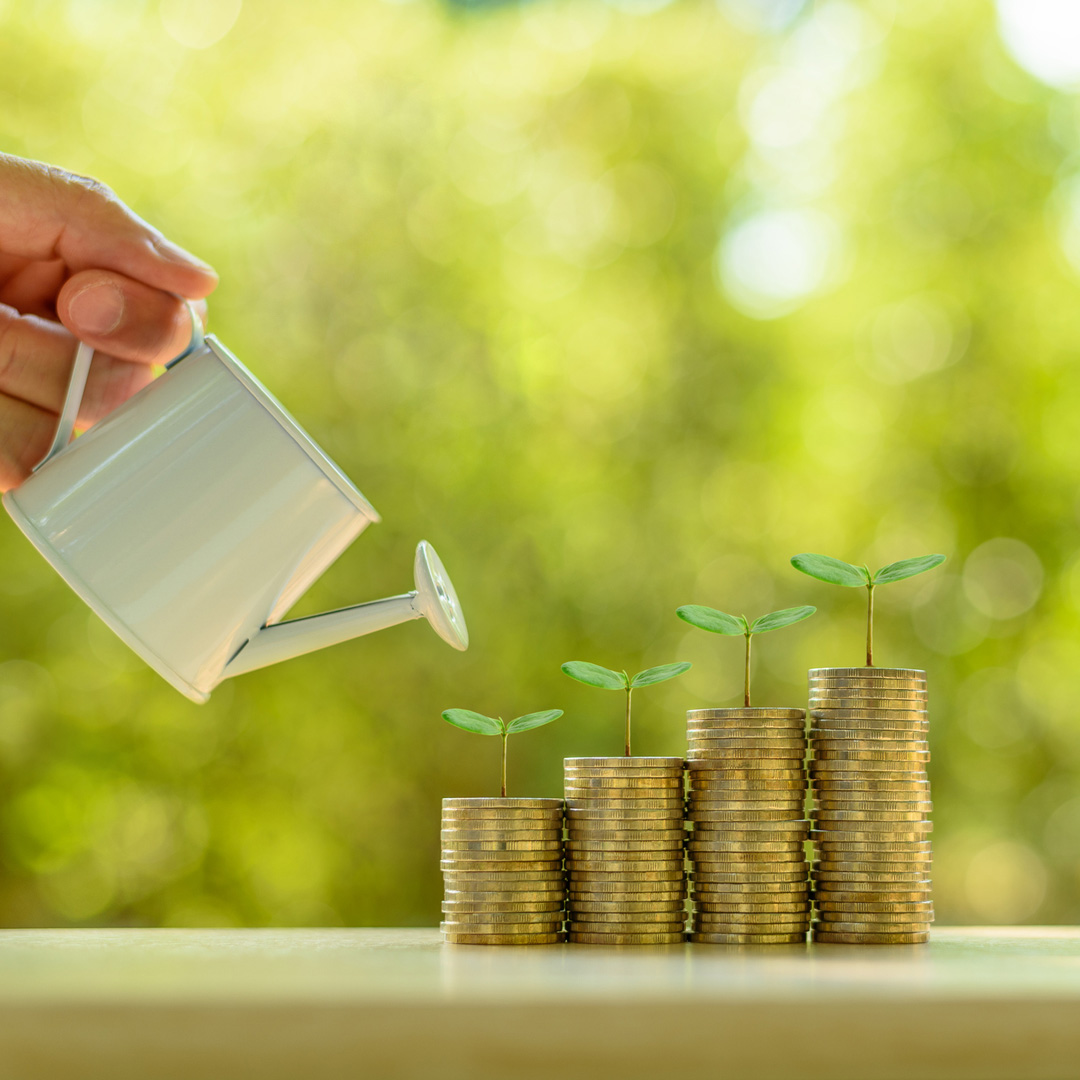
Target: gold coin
column 884, row 897
column 496, row 846
column 527, row 872
column 748, row 939
column 622, row 866
column 705, row 782
column 720, row 907
column 868, row 669
column 914, row 906
column 745, row 845
column 866, row 920
column 900, row 926
column 910, row 867
column 503, row 897
column 502, row 939
column 713, row 751
column 665, row 930
column 745, row 819
column 714, row 861
column 525, row 819
column 871, row 831
column 621, row 774
column 854, row 846
column 638, row 804
column 456, row 926
column 866, row 807
column 867, row 815
column 829, row 754
column 588, row 877
column 628, row 939
column 484, row 864
column 759, row 729
column 647, row 896
column 753, row 888
column 705, row 741
column 750, row 879
column 832, row 747
column 622, row 763
column 746, row 712
column 619, row 847
column 866, row 716
column 489, row 907
column 876, row 785
column 710, row 771
column 886, row 732
column 871, row 939
column 723, row 924
column 832, row 881
column 582, row 832
column 502, row 835
column 714, row 817
column 829, row 779
column 647, row 787
column 597, row 907
column 589, row 920
column 502, row 804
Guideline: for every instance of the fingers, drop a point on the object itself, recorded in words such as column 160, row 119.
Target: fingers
column 124, row 318
column 25, row 435
column 46, row 213
column 36, row 356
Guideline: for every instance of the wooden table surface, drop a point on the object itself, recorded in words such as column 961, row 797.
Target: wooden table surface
column 977, row 1003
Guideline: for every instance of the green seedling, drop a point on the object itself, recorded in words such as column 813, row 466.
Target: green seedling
column 720, row 622
column 606, row 679
column 479, row 724
column 837, row 572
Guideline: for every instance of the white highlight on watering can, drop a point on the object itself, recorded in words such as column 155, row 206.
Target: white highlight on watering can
column 197, row 513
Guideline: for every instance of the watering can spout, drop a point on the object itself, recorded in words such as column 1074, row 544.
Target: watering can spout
column 433, row 599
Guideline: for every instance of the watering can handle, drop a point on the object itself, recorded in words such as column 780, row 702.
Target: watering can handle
column 77, row 385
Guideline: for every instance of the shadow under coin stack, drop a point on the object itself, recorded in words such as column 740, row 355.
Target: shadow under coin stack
column 746, row 805
column 625, row 850
column 872, row 836
column 502, row 864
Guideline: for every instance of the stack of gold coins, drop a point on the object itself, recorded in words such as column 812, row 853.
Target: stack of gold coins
column 625, row 850
column 502, row 864
column 747, row 810
column 871, row 834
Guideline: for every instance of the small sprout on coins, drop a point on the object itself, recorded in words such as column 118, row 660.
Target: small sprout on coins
column 476, row 722
column 837, row 572
column 720, row 622
column 606, row 679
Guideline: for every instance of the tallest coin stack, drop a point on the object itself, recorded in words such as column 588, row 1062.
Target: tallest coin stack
column 871, row 834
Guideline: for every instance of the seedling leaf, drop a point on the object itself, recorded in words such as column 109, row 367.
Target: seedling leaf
column 777, row 619
column 717, row 622
column 834, row 571
column 595, row 675
column 532, row 720
column 906, row 568
column 659, row 674
column 476, row 722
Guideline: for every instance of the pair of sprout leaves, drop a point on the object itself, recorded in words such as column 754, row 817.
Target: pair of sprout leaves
column 822, row 567
column 593, row 674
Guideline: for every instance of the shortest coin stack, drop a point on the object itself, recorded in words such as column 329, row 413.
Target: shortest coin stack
column 746, row 806
column 625, row 850
column 502, row 864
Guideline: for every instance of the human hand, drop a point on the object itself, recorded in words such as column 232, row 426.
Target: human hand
column 75, row 262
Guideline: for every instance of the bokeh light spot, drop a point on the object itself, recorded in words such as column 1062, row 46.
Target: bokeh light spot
column 1003, row 578
column 198, row 24
column 774, row 260
column 1006, row 882
column 1043, row 37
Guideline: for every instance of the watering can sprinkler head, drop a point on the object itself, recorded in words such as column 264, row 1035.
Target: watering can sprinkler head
column 433, row 599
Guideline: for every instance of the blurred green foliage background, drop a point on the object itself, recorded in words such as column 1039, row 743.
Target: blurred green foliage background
column 620, row 305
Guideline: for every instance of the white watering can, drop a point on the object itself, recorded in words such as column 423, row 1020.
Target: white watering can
column 196, row 514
